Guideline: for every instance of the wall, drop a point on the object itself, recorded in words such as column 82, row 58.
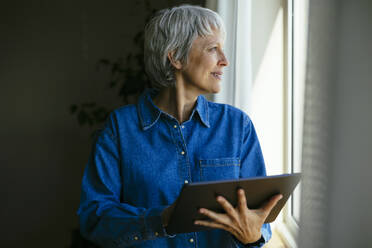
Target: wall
column 336, row 198
column 350, row 184
column 48, row 56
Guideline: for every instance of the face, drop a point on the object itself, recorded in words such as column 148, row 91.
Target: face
column 206, row 60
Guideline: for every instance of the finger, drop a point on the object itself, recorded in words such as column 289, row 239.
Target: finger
column 210, row 224
column 226, row 205
column 215, row 225
column 242, row 201
column 216, row 217
column 271, row 203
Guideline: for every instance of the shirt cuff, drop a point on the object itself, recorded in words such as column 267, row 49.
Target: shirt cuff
column 265, row 237
column 150, row 227
column 258, row 243
column 153, row 223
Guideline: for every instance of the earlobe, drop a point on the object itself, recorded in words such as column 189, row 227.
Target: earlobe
column 176, row 63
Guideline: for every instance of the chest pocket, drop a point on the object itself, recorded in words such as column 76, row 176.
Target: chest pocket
column 219, row 169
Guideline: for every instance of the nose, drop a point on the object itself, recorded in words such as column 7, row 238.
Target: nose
column 223, row 60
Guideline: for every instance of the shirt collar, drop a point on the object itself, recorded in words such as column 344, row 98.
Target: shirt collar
column 202, row 109
column 149, row 113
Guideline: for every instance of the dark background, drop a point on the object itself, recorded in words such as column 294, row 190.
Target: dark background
column 48, row 60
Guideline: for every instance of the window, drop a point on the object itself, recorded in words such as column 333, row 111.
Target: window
column 297, row 42
column 266, row 47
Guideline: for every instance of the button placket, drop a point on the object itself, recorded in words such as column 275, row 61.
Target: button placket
column 181, row 147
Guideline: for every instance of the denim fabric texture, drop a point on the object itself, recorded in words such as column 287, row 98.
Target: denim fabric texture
column 140, row 161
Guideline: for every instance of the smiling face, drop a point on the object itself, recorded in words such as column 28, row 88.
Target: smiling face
column 206, row 59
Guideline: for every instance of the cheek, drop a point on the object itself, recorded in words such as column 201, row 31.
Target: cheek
column 205, row 61
column 202, row 66
column 211, row 62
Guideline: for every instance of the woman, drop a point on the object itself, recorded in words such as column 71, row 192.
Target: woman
column 173, row 136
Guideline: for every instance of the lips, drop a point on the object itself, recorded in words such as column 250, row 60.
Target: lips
column 217, row 74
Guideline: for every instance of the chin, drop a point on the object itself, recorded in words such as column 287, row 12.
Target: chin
column 213, row 90
column 216, row 89
column 210, row 89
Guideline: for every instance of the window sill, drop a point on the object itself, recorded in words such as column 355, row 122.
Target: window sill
column 283, row 234
column 275, row 241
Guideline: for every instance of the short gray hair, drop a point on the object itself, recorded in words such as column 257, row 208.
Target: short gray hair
column 175, row 29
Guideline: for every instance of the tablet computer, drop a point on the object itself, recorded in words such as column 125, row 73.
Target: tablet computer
column 203, row 194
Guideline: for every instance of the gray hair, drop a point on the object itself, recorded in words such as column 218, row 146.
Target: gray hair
column 175, row 29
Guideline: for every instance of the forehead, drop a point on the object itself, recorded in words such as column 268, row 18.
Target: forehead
column 216, row 37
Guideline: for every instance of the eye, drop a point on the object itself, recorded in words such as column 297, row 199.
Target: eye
column 213, row 49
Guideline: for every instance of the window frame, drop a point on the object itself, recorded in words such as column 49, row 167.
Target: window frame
column 289, row 228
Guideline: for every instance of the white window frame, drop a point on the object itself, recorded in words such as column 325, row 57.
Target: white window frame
column 287, row 227
column 295, row 61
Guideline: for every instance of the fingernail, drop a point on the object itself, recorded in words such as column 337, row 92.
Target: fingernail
column 196, row 223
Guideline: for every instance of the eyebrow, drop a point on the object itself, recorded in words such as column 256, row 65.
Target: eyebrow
column 214, row 41
column 211, row 42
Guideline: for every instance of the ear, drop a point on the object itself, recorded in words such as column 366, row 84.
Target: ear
column 176, row 63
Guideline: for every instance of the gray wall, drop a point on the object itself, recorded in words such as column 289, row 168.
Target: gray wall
column 350, row 216
column 337, row 199
column 48, row 56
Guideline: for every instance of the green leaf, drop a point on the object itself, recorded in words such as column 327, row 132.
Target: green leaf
column 73, row 108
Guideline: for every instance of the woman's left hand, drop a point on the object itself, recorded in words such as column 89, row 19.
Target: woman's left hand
column 244, row 223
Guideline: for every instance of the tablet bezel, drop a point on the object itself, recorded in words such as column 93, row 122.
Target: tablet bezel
column 203, row 194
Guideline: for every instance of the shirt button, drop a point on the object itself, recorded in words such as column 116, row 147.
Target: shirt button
column 191, row 240
column 186, row 181
column 175, row 126
column 156, row 234
column 183, row 126
column 135, row 238
column 183, row 153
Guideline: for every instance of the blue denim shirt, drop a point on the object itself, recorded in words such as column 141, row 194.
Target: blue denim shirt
column 142, row 158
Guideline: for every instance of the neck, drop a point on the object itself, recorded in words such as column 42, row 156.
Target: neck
column 176, row 101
